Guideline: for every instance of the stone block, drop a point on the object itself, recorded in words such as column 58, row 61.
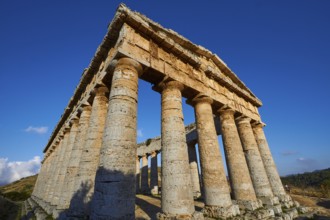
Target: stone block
column 221, row 212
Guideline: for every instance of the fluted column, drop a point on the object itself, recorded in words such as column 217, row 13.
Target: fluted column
column 138, row 175
column 49, row 163
column 64, row 171
column 144, row 174
column 89, row 159
column 59, row 165
column 269, row 164
column 196, row 188
column 38, row 186
column 50, row 182
column 74, row 190
column 154, row 174
column 216, row 190
column 177, row 197
column 114, row 196
column 238, row 171
column 257, row 171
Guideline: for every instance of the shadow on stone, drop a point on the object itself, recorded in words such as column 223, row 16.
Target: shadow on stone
column 150, row 209
column 78, row 204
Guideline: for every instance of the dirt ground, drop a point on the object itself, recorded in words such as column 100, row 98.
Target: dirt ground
column 318, row 206
column 148, row 206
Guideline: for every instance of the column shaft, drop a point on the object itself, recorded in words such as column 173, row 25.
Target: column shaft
column 144, row 175
column 138, row 175
column 75, row 188
column 114, row 195
column 216, row 190
column 57, row 187
column 177, row 197
column 63, row 204
column 269, row 164
column 50, row 182
column 195, row 182
column 90, row 153
column 257, row 171
column 154, row 174
column 240, row 179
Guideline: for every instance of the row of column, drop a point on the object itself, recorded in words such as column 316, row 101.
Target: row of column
column 93, row 168
column 143, row 185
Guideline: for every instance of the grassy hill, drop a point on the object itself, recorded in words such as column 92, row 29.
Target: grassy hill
column 19, row 190
column 12, row 195
column 316, row 183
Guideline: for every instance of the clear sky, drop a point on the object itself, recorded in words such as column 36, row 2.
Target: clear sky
column 279, row 49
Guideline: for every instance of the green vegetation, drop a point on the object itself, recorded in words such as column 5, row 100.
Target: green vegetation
column 316, row 183
column 12, row 196
column 19, row 190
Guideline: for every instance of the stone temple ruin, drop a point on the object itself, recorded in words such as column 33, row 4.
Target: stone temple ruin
column 91, row 166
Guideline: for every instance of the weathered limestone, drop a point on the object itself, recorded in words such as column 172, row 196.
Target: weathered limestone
column 268, row 162
column 257, row 171
column 153, row 174
column 195, row 182
column 144, row 175
column 114, row 195
column 63, row 177
column 238, row 171
column 89, row 158
column 72, row 188
column 215, row 187
column 177, row 197
column 55, row 187
column 138, row 175
column 93, row 171
column 50, row 182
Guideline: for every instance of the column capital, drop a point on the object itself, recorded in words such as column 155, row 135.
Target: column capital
column 101, row 91
column 258, row 124
column 201, row 98
column 153, row 154
column 243, row 119
column 168, row 83
column 226, row 110
column 125, row 61
column 84, row 107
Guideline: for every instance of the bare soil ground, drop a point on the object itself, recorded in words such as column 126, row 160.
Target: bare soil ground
column 147, row 207
column 318, row 206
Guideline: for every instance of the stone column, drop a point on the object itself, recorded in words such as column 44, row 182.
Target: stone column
column 74, row 190
column 269, row 164
column 114, row 196
column 51, row 189
column 57, row 187
column 257, row 171
column 89, row 160
column 216, row 192
column 47, row 178
column 138, row 175
column 144, row 175
column 177, row 197
column 238, row 171
column 52, row 169
column 196, row 188
column 154, row 174
column 39, row 183
column 64, row 174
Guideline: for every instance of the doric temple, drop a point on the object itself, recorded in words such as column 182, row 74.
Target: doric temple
column 92, row 162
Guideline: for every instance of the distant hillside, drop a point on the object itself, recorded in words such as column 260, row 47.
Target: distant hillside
column 19, row 190
column 317, row 181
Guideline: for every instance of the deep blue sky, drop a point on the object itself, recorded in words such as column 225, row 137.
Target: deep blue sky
column 279, row 49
